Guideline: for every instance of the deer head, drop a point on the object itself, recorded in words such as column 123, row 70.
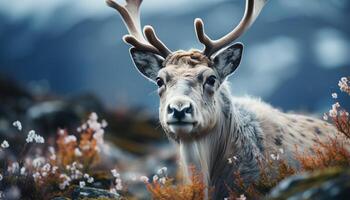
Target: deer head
column 190, row 82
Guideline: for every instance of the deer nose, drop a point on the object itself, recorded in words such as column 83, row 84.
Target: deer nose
column 179, row 112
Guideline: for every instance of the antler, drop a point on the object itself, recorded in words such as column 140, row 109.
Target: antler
column 131, row 17
column 252, row 10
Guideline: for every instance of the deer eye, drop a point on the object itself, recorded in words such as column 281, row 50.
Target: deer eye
column 211, row 80
column 160, row 82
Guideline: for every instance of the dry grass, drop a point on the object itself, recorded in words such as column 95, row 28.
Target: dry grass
column 169, row 191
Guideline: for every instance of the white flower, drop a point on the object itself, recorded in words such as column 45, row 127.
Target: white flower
column 144, row 179
column 325, row 116
column 17, row 124
column 13, row 168
column 162, row 171
column 54, row 169
column 86, row 176
column 113, row 191
column 155, row 178
column 5, row 144
column 93, row 116
column 115, row 173
column 23, row 171
column 61, row 132
column 275, row 157
column 334, row 95
column 39, row 139
column 343, row 85
column 242, row 197
column 32, row 136
column 36, row 176
column 38, row 162
column 281, row 150
column 90, row 180
column 333, row 113
column 77, row 152
column 46, row 167
column 82, row 184
column 69, row 139
column 1, row 177
column 162, row 180
column 229, row 160
column 104, row 123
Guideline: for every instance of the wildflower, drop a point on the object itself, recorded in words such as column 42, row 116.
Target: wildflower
column 86, row 176
column 93, row 116
column 69, row 139
column 162, row 171
column 77, row 152
column 39, row 139
column 334, row 95
column 104, row 123
column 242, row 197
column 119, row 185
column 325, row 116
column 23, row 171
column 281, row 150
column 1, row 177
column 61, row 132
column 275, row 157
column 36, row 176
column 82, row 184
column 155, row 178
column 229, row 160
column 53, row 153
column 32, row 136
column 343, row 85
column 5, row 144
column 46, row 167
column 17, row 124
column 54, row 169
column 115, row 173
column 144, row 179
column 38, row 162
column 13, row 168
column 113, row 191
column 66, row 181
column 334, row 111
column 90, row 180
column 162, row 180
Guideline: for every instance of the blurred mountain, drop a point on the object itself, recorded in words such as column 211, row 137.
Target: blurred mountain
column 295, row 53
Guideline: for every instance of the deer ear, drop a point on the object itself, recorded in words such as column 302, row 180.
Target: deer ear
column 148, row 64
column 228, row 59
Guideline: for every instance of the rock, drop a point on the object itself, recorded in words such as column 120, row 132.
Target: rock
column 88, row 192
column 329, row 184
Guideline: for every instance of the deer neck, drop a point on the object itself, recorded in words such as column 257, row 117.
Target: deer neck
column 237, row 136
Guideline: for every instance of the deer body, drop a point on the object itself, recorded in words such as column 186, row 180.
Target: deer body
column 197, row 110
column 248, row 131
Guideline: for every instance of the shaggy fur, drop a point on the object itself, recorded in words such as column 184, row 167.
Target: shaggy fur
column 226, row 127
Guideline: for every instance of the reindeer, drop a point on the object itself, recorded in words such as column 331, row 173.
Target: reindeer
column 197, row 110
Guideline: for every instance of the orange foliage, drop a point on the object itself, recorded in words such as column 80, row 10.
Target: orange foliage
column 85, row 143
column 325, row 154
column 194, row 190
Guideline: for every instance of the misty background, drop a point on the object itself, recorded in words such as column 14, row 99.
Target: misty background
column 294, row 54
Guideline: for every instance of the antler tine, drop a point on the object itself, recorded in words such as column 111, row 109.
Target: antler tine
column 155, row 41
column 252, row 10
column 131, row 16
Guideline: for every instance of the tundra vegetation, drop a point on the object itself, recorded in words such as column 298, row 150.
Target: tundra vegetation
column 72, row 161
